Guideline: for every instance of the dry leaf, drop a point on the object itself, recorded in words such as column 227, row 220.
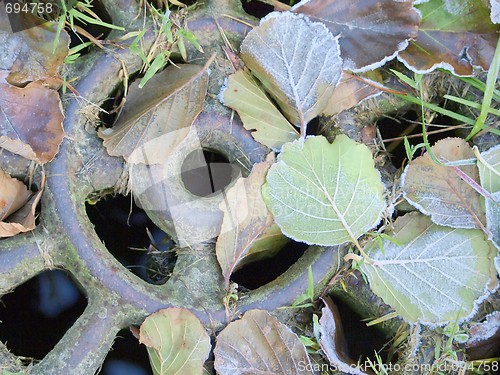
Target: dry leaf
column 27, row 55
column 455, row 35
column 438, row 191
column 350, row 92
column 371, row 31
column 333, row 341
column 158, row 116
column 17, row 206
column 297, row 61
column 259, row 344
column 246, row 218
column 31, row 120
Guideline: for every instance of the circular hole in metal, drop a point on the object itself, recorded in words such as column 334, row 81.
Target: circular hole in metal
column 39, row 312
column 132, row 238
column 259, row 273
column 206, row 172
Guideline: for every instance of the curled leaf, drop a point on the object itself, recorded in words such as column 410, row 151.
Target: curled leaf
column 157, row 117
column 17, row 206
column 452, row 35
column 176, row 341
column 297, row 61
column 371, row 31
column 434, row 274
column 257, row 112
column 437, row 190
column 325, row 194
column 31, row 120
column 259, row 344
column 246, row 218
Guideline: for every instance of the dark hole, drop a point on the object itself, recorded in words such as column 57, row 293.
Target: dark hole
column 362, row 341
column 409, row 125
column 257, row 274
column 206, row 172
column 39, row 312
column 256, row 8
column 110, row 108
column 97, row 31
column 123, row 227
column 313, row 127
column 126, row 356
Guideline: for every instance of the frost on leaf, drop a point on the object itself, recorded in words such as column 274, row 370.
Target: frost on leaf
column 246, row 220
column 158, row 116
column 27, row 55
column 259, row 344
column 333, row 342
column 176, row 342
column 325, row 194
column 257, row 112
column 437, row 190
column 371, row 31
column 495, row 11
column 489, row 173
column 435, row 274
column 297, row 61
column 452, row 36
column 17, row 206
column 31, row 120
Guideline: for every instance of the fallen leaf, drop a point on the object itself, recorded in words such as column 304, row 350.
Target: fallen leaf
column 438, row 191
column 257, row 112
column 495, row 11
column 259, row 344
column 246, row 218
column 350, row 92
column 371, row 31
column 452, row 35
column 31, row 120
column 484, row 338
column 434, row 274
column 325, row 194
column 157, row 117
column 332, row 340
column 17, row 206
column 176, row 342
column 28, row 55
column 489, row 174
column 297, row 61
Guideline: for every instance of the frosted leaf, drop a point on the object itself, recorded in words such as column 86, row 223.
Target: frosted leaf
column 325, row 194
column 437, row 190
column 298, row 62
column 259, row 344
column 495, row 11
column 435, row 274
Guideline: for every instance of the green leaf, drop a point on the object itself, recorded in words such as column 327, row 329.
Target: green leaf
column 259, row 344
column 257, row 112
column 176, row 341
column 455, row 35
column 297, row 61
column 325, row 194
column 438, row 274
column 489, row 169
column 158, row 63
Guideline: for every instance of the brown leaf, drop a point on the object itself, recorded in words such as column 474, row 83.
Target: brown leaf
column 158, row 116
column 350, row 91
column 17, row 206
column 259, row 344
column 453, row 36
column 438, row 191
column 371, row 31
column 246, row 218
column 28, row 54
column 332, row 340
column 30, row 120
